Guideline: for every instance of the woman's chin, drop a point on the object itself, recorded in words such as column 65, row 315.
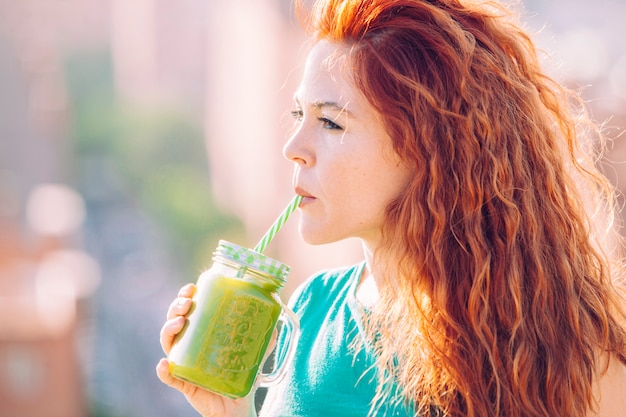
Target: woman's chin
column 316, row 237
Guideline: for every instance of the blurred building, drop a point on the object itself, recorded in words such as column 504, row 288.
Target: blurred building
column 44, row 286
column 40, row 302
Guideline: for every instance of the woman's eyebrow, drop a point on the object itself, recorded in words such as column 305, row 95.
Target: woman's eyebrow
column 332, row 105
column 321, row 104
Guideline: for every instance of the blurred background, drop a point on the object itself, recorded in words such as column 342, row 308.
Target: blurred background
column 134, row 134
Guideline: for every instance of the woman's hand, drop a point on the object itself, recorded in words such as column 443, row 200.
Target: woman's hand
column 207, row 403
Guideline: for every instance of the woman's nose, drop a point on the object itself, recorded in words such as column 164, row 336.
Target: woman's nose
column 297, row 148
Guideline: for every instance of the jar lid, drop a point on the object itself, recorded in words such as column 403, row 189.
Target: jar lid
column 251, row 259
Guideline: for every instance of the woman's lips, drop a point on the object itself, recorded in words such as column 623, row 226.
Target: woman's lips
column 306, row 197
column 306, row 201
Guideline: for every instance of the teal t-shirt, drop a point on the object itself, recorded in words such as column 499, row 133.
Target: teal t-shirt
column 328, row 377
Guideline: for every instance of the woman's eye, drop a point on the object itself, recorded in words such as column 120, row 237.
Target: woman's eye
column 297, row 115
column 329, row 124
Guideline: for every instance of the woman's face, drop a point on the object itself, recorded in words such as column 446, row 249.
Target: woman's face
column 345, row 166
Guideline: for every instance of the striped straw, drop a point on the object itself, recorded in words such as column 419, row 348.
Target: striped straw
column 280, row 221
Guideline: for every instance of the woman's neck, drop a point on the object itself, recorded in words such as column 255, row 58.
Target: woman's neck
column 367, row 291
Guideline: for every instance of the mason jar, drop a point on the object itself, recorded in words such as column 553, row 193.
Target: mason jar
column 230, row 324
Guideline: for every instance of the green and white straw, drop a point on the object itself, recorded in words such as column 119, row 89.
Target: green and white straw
column 280, row 221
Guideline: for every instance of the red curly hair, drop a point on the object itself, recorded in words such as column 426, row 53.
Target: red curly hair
column 504, row 302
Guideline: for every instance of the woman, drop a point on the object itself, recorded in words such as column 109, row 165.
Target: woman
column 427, row 130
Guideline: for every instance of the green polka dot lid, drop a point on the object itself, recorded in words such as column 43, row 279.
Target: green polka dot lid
column 251, row 259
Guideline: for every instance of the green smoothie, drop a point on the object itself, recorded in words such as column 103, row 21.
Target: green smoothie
column 227, row 332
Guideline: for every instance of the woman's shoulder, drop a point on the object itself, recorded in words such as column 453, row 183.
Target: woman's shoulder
column 610, row 389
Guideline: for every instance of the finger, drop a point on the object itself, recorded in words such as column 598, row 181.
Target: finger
column 179, row 307
column 169, row 331
column 163, row 373
column 187, row 291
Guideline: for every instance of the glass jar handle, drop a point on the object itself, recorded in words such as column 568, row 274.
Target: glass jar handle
column 291, row 324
